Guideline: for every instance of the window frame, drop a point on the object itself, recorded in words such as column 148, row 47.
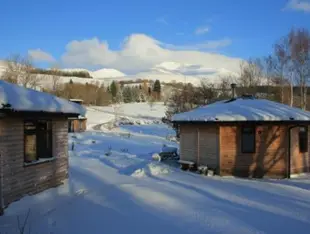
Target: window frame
column 39, row 133
column 303, row 147
column 242, row 133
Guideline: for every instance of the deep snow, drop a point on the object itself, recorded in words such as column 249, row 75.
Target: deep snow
column 115, row 187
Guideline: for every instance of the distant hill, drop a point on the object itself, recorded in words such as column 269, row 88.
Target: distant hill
column 165, row 72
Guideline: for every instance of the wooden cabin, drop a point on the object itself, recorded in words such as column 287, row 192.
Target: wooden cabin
column 246, row 137
column 33, row 141
column 77, row 124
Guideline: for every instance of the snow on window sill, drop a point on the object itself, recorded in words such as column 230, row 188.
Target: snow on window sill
column 39, row 161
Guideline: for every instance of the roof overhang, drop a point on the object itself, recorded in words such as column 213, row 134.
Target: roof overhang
column 260, row 122
column 77, row 118
column 35, row 114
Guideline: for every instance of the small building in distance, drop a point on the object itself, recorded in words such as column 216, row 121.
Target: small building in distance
column 77, row 124
column 246, row 137
column 33, row 141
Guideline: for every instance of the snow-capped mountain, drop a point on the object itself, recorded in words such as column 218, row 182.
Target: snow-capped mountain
column 106, row 73
column 165, row 72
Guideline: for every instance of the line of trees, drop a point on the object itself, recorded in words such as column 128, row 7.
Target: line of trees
column 135, row 93
column 81, row 74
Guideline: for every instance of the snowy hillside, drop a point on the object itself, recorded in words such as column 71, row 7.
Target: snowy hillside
column 165, row 72
column 141, row 112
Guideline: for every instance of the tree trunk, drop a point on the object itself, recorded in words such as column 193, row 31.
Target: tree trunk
column 301, row 96
column 305, row 97
column 282, row 90
column 291, row 94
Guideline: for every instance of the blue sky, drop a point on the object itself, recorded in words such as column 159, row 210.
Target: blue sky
column 235, row 28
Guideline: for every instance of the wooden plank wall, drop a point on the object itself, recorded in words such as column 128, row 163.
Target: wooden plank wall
column 208, row 146
column 270, row 158
column 76, row 125
column 19, row 180
column 206, row 152
column 188, row 143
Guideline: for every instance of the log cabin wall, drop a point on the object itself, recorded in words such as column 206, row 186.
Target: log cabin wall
column 18, row 179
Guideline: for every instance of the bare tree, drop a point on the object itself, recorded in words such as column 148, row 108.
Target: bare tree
column 283, row 67
column 299, row 42
column 20, row 71
column 224, row 88
column 55, row 77
column 251, row 73
column 206, row 92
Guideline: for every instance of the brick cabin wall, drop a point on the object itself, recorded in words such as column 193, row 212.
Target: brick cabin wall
column 271, row 158
column 299, row 162
column 19, row 180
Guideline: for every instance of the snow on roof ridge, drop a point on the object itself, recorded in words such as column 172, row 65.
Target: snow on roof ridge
column 244, row 109
column 24, row 99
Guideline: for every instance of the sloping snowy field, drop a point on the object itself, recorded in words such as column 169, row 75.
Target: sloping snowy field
column 115, row 187
column 142, row 112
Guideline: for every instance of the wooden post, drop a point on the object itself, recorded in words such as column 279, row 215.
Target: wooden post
column 198, row 151
column 1, row 187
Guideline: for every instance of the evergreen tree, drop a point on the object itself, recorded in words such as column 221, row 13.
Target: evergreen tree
column 127, row 94
column 157, row 87
column 113, row 89
column 135, row 93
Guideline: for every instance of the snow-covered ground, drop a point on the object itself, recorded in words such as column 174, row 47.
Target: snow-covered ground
column 135, row 112
column 115, row 187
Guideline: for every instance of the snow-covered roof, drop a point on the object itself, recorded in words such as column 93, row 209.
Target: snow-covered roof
column 23, row 99
column 243, row 109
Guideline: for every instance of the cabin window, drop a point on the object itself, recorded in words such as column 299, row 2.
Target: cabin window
column 248, row 140
column 37, row 140
column 303, row 139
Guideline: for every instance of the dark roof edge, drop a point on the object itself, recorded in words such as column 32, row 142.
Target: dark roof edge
column 243, row 122
column 9, row 112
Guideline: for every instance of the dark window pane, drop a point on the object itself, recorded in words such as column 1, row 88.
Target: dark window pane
column 248, row 140
column 303, row 139
column 38, row 140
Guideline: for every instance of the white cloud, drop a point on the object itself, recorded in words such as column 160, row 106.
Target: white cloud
column 207, row 45
column 140, row 52
column 298, row 5
column 39, row 55
column 202, row 30
column 162, row 20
